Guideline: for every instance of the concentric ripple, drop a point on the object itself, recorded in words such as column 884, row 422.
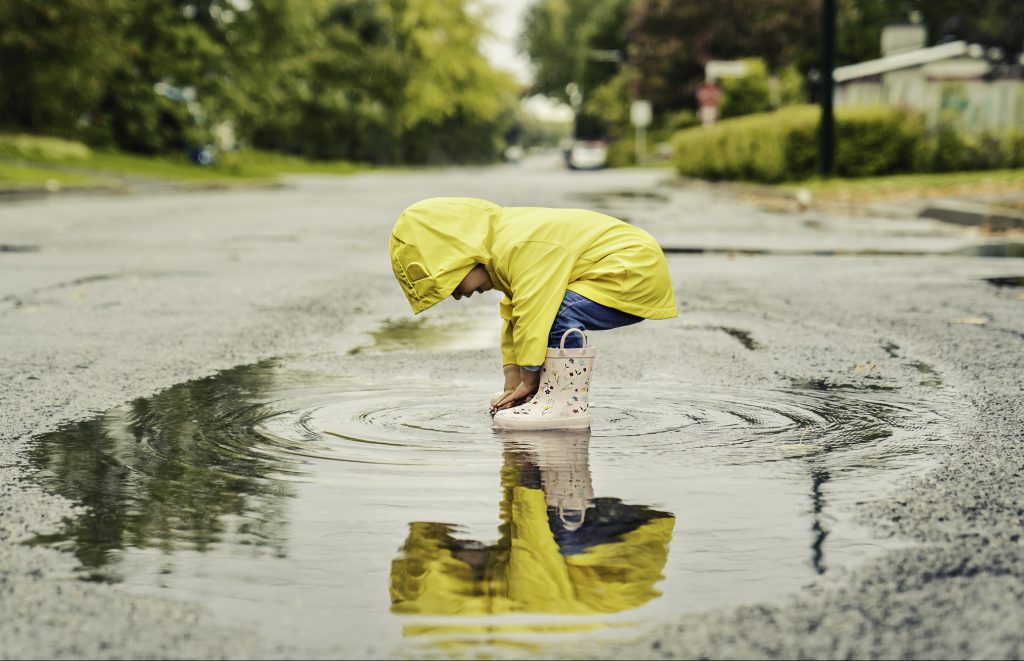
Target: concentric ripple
column 718, row 425
column 324, row 503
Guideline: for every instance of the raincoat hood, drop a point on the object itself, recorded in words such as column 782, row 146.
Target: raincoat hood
column 436, row 242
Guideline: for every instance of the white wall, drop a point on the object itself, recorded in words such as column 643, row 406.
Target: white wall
column 974, row 104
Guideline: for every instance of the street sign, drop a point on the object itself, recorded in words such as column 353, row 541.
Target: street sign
column 708, row 115
column 640, row 113
column 725, row 69
column 709, row 94
column 709, row 97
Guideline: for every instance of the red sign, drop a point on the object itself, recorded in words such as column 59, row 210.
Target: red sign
column 709, row 94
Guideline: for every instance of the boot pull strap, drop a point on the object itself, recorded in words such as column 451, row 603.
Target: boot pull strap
column 570, row 524
column 586, row 340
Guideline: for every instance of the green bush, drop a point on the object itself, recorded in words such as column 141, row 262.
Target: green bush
column 749, row 94
column 945, row 149
column 1014, row 145
column 783, row 145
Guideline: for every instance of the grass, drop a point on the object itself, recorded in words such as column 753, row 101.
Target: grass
column 25, row 177
column 913, row 185
column 28, row 161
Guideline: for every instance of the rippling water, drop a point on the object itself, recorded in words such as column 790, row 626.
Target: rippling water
column 391, row 518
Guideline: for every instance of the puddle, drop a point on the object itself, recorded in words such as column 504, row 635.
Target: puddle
column 386, row 517
column 1006, row 281
column 10, row 247
column 1002, row 249
column 432, row 333
column 624, row 195
column 931, row 378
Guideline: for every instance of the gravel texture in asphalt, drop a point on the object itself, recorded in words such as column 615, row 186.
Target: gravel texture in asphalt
column 114, row 298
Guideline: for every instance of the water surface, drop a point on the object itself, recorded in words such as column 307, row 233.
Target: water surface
column 387, row 518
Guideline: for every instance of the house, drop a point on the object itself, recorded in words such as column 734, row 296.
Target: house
column 952, row 82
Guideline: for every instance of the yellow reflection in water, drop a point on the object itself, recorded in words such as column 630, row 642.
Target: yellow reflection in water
column 561, row 550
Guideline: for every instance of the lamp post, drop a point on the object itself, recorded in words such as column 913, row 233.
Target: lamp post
column 826, row 160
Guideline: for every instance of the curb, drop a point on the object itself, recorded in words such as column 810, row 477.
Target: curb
column 969, row 213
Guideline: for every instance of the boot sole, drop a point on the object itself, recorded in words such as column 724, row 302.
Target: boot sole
column 577, row 422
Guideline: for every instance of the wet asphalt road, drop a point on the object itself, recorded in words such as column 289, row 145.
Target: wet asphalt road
column 104, row 299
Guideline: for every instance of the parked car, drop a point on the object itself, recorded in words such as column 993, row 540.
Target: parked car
column 587, row 155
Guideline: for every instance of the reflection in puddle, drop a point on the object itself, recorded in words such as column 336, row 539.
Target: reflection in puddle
column 560, row 549
column 1006, row 281
column 356, row 516
column 432, row 333
column 173, row 471
column 998, row 249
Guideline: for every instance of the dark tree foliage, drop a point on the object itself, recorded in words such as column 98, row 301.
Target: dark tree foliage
column 373, row 80
column 671, row 40
column 55, row 58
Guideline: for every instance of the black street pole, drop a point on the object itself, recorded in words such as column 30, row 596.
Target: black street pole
column 828, row 63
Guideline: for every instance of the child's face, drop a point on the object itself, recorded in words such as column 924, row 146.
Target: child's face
column 476, row 281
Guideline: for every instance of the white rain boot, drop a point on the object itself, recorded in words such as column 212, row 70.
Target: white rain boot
column 563, row 398
column 563, row 459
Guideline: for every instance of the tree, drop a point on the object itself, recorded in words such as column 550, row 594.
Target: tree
column 55, row 58
column 376, row 80
column 672, row 40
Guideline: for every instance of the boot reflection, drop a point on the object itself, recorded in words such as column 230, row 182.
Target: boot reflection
column 558, row 463
column 560, row 550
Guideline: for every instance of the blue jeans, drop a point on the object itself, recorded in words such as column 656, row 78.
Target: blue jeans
column 580, row 312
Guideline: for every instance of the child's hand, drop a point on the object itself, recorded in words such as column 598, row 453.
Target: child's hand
column 512, row 377
column 526, row 388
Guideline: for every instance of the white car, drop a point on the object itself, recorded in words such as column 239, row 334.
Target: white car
column 587, row 155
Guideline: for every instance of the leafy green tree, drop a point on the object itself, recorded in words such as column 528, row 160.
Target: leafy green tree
column 578, row 50
column 55, row 58
column 452, row 100
column 550, row 38
column 375, row 80
column 574, row 41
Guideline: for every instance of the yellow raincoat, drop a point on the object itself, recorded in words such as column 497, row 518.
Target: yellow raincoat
column 525, row 572
column 533, row 255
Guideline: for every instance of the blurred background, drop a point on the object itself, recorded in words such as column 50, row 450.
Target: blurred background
column 227, row 90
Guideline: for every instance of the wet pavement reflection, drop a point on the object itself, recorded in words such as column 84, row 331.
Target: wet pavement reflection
column 171, row 471
column 324, row 508
column 560, row 550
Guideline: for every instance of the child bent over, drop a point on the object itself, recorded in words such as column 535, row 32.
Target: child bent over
column 559, row 269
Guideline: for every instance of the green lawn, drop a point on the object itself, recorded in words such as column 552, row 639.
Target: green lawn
column 20, row 176
column 915, row 185
column 33, row 161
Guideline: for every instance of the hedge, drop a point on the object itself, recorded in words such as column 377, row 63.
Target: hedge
column 783, row 146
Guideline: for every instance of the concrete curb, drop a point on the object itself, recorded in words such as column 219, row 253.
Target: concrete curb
column 975, row 214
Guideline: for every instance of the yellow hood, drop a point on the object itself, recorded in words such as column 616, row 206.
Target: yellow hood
column 436, row 242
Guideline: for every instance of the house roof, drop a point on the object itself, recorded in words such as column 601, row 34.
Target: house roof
column 913, row 58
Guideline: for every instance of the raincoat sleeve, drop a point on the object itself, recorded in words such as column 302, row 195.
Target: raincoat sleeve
column 538, row 273
column 508, row 352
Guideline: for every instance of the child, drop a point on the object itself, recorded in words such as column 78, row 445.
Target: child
column 559, row 269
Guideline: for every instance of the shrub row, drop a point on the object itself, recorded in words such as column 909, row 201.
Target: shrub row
column 783, row 146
